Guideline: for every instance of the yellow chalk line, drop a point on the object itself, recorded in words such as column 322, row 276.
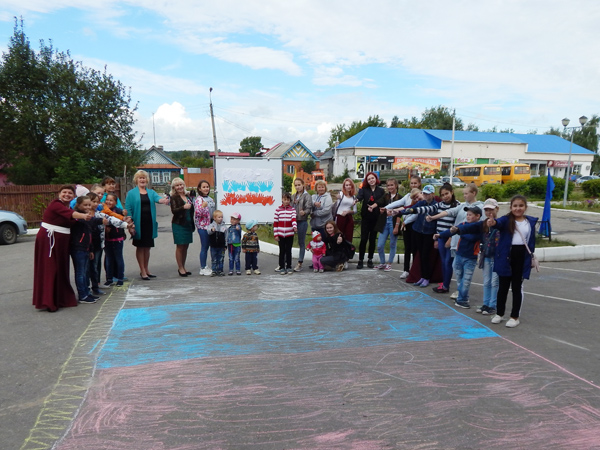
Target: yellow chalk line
column 67, row 395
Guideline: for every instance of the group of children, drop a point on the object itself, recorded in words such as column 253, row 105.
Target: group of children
column 470, row 235
column 104, row 233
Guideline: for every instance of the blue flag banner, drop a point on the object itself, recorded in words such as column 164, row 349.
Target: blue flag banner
column 545, row 227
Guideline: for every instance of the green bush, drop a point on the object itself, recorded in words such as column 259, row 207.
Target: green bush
column 537, row 188
column 516, row 187
column 495, row 191
column 591, row 188
column 287, row 183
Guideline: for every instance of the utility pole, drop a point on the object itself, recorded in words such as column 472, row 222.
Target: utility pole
column 153, row 130
column 451, row 174
column 212, row 119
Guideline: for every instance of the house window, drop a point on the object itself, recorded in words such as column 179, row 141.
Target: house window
column 155, row 177
column 166, row 177
column 290, row 169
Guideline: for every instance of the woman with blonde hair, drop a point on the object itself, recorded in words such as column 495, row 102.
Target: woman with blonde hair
column 140, row 204
column 182, row 223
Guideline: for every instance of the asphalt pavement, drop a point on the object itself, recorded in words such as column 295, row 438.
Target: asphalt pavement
column 357, row 359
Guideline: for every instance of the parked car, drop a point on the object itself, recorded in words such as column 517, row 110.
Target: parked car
column 432, row 181
column 11, row 226
column 456, row 182
column 580, row 180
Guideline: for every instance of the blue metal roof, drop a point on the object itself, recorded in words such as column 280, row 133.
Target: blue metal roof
column 408, row 138
column 405, row 138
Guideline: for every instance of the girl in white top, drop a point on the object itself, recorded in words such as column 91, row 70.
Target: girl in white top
column 346, row 208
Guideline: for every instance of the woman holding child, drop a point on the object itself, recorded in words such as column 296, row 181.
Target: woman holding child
column 140, row 204
column 51, row 283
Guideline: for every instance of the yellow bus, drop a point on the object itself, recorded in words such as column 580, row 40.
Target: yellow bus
column 515, row 172
column 480, row 174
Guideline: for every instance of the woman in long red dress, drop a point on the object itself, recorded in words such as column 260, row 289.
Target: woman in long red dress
column 51, row 283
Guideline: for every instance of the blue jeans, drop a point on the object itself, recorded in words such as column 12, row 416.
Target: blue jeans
column 464, row 268
column 204, row 246
column 115, row 265
column 490, row 283
column 81, row 260
column 302, row 229
column 217, row 255
column 234, row 257
column 388, row 230
column 447, row 261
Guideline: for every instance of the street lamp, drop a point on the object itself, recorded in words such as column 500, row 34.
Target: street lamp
column 582, row 120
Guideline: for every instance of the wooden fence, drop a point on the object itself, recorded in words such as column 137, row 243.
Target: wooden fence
column 31, row 201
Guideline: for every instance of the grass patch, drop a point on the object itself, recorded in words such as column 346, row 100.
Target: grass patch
column 542, row 242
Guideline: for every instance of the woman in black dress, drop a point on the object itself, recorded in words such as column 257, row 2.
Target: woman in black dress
column 140, row 204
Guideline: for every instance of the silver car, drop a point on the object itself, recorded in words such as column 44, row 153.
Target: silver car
column 456, row 182
column 11, row 226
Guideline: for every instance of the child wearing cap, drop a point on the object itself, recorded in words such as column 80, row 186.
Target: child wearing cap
column 467, row 252
column 423, row 231
column 234, row 243
column 251, row 247
column 318, row 249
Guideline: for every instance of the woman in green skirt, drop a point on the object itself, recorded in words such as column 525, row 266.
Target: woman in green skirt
column 182, row 223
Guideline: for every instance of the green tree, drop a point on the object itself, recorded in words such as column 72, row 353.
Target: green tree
column 251, row 144
column 340, row 133
column 60, row 121
column 308, row 165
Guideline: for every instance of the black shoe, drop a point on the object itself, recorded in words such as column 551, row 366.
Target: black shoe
column 360, row 265
column 188, row 273
column 95, row 297
column 152, row 276
column 120, row 283
column 182, row 274
column 145, row 278
column 370, row 264
column 88, row 300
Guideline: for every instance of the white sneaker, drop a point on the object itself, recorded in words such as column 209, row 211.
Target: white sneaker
column 278, row 269
column 206, row 272
column 403, row 275
column 248, row 272
column 298, row 268
column 454, row 295
column 497, row 319
column 256, row 272
column 512, row 323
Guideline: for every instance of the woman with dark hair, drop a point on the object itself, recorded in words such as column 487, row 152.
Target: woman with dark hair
column 369, row 193
column 140, row 203
column 51, row 283
column 204, row 207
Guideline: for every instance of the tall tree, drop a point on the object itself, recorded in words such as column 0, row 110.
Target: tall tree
column 61, row 122
column 341, row 133
column 251, row 144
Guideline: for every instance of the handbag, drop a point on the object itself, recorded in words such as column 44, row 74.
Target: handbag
column 535, row 263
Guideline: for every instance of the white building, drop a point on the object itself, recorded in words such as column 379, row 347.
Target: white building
column 376, row 149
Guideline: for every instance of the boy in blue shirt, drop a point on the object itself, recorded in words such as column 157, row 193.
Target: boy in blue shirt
column 467, row 251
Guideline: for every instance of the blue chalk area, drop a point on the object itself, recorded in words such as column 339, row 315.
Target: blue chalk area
column 250, row 186
column 177, row 332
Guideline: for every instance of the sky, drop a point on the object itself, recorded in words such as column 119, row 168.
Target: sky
column 288, row 71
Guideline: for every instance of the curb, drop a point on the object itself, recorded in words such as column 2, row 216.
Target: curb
column 545, row 254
